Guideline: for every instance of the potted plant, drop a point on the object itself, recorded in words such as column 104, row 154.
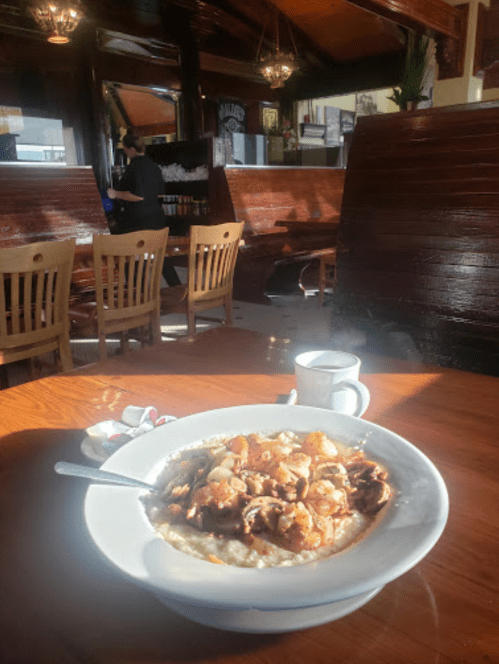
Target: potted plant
column 409, row 92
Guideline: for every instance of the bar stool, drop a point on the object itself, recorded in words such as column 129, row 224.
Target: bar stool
column 327, row 272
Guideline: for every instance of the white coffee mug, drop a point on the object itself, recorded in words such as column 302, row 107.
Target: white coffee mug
column 329, row 379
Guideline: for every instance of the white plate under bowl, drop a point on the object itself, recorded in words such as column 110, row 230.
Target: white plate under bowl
column 412, row 524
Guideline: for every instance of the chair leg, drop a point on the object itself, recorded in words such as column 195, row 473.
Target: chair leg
column 123, row 342
column 65, row 355
column 228, row 310
column 156, row 329
column 191, row 323
column 4, row 377
column 34, row 368
column 322, row 281
column 102, row 346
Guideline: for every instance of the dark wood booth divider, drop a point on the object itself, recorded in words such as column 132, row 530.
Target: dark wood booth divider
column 40, row 203
column 420, row 225
column 291, row 215
column 45, row 203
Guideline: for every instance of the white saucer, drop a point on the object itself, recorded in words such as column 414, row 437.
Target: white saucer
column 93, row 450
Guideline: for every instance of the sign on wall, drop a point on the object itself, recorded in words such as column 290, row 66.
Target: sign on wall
column 231, row 118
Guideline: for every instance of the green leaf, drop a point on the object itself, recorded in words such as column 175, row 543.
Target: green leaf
column 410, row 88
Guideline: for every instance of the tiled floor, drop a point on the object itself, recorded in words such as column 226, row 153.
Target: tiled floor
column 295, row 317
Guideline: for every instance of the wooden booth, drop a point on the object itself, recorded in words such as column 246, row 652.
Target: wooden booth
column 420, row 225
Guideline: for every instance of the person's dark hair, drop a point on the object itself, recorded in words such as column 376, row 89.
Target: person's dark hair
column 133, row 140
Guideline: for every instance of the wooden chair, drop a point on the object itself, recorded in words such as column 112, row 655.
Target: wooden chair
column 127, row 282
column 212, row 259
column 327, row 272
column 34, row 298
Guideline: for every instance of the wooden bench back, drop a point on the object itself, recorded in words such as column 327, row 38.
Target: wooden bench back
column 42, row 203
column 266, row 198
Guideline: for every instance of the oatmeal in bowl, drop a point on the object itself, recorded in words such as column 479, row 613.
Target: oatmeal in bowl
column 288, row 517
column 268, row 500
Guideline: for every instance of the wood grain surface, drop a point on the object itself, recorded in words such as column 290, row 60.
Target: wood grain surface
column 420, row 227
column 62, row 603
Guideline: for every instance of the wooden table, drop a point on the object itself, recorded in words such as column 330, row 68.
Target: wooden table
column 60, row 602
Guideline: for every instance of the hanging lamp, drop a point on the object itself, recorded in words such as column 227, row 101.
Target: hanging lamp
column 276, row 66
column 57, row 18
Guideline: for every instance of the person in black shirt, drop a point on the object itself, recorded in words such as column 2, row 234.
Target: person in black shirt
column 138, row 192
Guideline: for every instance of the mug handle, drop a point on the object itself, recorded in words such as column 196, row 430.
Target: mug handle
column 363, row 396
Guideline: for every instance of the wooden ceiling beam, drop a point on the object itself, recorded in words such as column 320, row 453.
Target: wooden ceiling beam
column 375, row 72
column 434, row 16
column 259, row 14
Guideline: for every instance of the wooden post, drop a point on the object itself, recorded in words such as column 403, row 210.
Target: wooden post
column 177, row 25
column 91, row 146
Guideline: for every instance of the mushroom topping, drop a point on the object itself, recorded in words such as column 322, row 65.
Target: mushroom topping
column 365, row 470
column 371, row 496
column 297, row 491
column 262, row 513
column 255, row 482
column 334, row 472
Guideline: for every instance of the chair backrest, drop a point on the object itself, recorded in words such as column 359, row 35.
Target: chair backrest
column 128, row 273
column 212, row 258
column 34, row 295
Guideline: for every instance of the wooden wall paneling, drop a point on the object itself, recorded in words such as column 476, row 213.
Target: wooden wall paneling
column 214, row 84
column 422, row 15
column 8, row 87
column 136, row 71
column 420, row 227
column 451, row 51
column 220, row 201
column 479, row 64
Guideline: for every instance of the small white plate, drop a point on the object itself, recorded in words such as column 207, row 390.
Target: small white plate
column 93, row 450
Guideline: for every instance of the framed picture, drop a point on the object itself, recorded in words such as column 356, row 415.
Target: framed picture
column 231, row 117
column 366, row 103
column 347, row 121
column 270, row 119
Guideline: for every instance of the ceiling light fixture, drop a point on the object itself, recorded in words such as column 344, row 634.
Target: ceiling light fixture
column 57, row 18
column 277, row 66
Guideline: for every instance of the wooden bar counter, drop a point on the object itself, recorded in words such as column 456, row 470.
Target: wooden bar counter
column 62, row 603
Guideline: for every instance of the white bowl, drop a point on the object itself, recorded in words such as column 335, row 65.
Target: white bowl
column 269, row 599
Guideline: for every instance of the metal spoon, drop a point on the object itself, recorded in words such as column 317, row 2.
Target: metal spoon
column 75, row 470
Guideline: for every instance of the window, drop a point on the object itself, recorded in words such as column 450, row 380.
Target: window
column 25, row 138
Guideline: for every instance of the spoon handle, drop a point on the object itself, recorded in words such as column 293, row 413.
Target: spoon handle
column 75, row 470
